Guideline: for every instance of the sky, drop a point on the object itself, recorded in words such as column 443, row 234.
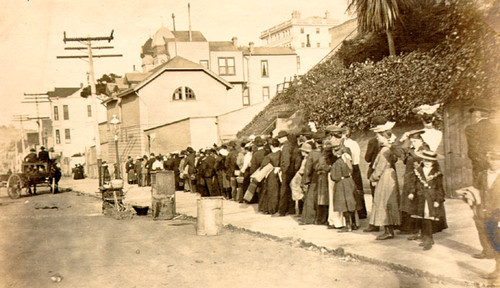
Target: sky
column 31, row 33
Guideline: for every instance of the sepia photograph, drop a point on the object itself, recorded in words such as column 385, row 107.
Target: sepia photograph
column 231, row 143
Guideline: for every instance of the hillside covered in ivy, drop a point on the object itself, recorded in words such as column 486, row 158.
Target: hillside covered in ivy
column 447, row 52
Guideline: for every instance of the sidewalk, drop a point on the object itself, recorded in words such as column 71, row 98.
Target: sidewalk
column 450, row 258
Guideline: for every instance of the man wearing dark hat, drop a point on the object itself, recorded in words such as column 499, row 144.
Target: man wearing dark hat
column 257, row 157
column 285, row 196
column 31, row 157
column 231, row 166
column 43, row 155
column 479, row 137
column 189, row 163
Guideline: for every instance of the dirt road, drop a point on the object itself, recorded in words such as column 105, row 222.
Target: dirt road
column 47, row 238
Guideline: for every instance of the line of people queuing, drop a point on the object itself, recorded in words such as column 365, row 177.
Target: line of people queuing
column 315, row 175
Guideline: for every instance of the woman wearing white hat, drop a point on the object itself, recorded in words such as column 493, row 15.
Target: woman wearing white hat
column 385, row 209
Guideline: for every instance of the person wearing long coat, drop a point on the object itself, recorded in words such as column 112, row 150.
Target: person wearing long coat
column 344, row 187
column 385, row 208
column 322, row 169
column 428, row 198
column 411, row 142
column 310, row 183
column 130, row 168
column 270, row 193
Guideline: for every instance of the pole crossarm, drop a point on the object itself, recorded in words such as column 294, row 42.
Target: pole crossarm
column 109, row 38
column 85, row 48
column 86, row 56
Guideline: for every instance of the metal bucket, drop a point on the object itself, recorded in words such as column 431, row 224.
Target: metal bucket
column 209, row 220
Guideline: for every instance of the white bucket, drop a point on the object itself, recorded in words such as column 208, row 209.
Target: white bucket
column 209, row 221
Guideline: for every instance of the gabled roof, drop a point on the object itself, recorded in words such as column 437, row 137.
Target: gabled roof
column 62, row 92
column 177, row 63
column 268, row 51
column 135, row 77
column 183, row 36
column 222, row 46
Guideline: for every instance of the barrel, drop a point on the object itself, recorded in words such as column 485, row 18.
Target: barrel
column 163, row 195
column 209, row 220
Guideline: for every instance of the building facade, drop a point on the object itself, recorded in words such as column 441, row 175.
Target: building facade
column 309, row 37
column 73, row 124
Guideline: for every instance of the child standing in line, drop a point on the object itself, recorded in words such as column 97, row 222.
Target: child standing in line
column 428, row 195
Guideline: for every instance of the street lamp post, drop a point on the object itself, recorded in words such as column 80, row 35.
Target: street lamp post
column 115, row 122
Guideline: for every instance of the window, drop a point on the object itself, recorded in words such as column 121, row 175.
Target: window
column 66, row 112
column 302, row 44
column 318, row 44
column 317, row 30
column 56, row 113
column 246, row 96
column 67, row 135
column 177, row 94
column 204, row 63
column 89, row 110
column 189, row 93
column 301, row 30
column 183, row 93
column 58, row 137
column 226, row 66
column 298, row 62
column 265, row 93
column 264, row 68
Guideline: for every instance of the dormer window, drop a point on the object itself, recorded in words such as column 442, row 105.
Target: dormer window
column 183, row 93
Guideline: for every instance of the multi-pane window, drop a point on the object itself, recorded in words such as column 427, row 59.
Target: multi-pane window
column 58, row 137
column 264, row 68
column 226, row 66
column 183, row 93
column 298, row 62
column 189, row 93
column 67, row 135
column 89, row 110
column 265, row 93
column 318, row 44
column 317, row 30
column 301, row 30
column 177, row 94
column 66, row 112
column 56, row 113
column 302, row 44
column 246, row 96
column 204, row 63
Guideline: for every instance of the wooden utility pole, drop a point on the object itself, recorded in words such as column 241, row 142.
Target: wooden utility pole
column 37, row 98
column 87, row 41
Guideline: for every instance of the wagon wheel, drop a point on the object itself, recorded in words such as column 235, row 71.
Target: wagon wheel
column 14, row 186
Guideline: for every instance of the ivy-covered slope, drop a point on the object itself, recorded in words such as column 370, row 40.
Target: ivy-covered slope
column 462, row 66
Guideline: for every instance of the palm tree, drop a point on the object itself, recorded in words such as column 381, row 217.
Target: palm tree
column 377, row 15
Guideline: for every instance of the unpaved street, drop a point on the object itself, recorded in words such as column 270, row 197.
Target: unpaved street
column 65, row 235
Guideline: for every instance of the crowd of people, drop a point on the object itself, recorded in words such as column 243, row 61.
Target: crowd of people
column 314, row 175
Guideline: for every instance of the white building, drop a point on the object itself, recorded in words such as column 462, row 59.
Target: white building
column 309, row 37
column 72, row 124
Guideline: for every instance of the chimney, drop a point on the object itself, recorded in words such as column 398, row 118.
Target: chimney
column 295, row 14
column 189, row 18
column 327, row 14
column 235, row 41
column 251, row 47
